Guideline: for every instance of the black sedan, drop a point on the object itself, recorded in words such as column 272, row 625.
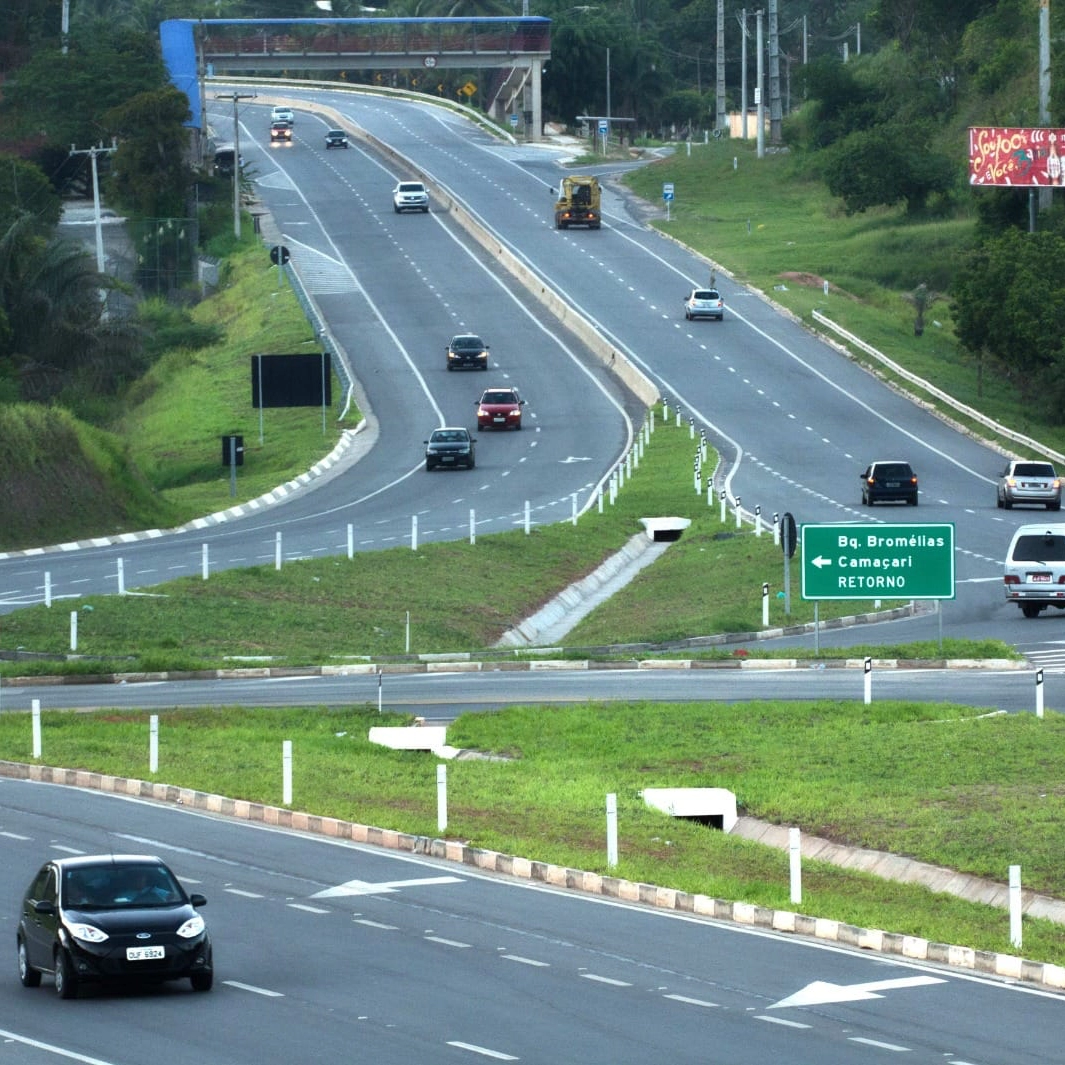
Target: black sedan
column 336, row 138
column 111, row 919
column 451, row 445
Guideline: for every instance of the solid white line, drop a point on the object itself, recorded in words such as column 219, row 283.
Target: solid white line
column 447, row 942
column 375, row 924
column 13, row 835
column 242, row 894
column 877, row 1043
column 605, row 980
column 37, row 1045
column 481, row 1050
column 780, row 1020
column 692, row 1001
column 525, row 961
column 253, row 989
column 308, row 909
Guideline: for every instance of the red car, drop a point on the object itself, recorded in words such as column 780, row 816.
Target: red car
column 499, row 408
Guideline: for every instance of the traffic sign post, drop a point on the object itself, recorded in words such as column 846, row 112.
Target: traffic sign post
column 851, row 561
column 667, row 195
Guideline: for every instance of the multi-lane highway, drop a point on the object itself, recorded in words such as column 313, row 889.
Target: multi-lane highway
column 328, row 951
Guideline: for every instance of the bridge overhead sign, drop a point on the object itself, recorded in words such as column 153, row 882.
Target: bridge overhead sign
column 852, row 561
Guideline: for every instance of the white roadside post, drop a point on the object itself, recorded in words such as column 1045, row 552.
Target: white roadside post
column 868, row 681
column 574, row 500
column 527, row 521
column 73, row 630
column 612, row 830
column 765, row 606
column 277, row 551
column 795, row 864
column 1015, row 906
column 286, row 772
column 47, row 588
column 380, row 693
column 406, row 641
column 204, row 562
column 414, row 532
column 758, row 520
column 121, row 577
column 739, row 514
column 473, row 527
column 1038, row 693
column 441, row 798
column 351, row 541
column 36, row 715
column 153, row 743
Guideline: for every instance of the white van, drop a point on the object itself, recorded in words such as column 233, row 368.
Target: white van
column 1035, row 568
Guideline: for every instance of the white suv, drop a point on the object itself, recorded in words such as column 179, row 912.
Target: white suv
column 410, row 196
column 1035, row 568
column 282, row 114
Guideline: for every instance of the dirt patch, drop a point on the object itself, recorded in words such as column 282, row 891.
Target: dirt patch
column 798, row 278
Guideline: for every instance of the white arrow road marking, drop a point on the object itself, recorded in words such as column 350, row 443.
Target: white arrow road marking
column 820, row 992
column 820, row 562
column 575, row 458
column 362, row 887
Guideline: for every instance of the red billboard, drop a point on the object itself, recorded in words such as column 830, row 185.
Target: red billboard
column 1019, row 157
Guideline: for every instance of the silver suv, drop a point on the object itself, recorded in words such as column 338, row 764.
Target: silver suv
column 1035, row 568
column 410, row 196
column 1029, row 482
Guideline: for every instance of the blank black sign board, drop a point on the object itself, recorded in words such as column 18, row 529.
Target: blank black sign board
column 291, row 381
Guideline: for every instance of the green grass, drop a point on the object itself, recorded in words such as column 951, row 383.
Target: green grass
column 334, row 609
column 933, row 781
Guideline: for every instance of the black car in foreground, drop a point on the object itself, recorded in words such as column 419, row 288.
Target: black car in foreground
column 451, row 445
column 336, row 138
column 111, row 918
column 889, row 482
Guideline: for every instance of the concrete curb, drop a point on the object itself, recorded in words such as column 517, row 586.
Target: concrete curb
column 912, row 948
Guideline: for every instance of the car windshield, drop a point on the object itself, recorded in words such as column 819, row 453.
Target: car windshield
column 705, row 295
column 893, row 470
column 1039, row 547
column 410, row 188
column 498, row 397
column 467, row 343
column 117, row 886
column 447, row 436
column 1033, row 469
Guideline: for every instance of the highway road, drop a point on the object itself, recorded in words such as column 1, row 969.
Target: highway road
column 794, row 420
column 327, row 951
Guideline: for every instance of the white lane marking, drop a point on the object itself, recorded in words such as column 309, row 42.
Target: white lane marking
column 363, row 887
column 877, row 1043
column 51, row 1049
column 307, row 909
column 474, row 1048
column 242, row 894
column 605, row 980
column 692, row 1001
column 822, row 992
column 13, row 835
column 66, row 850
column 780, row 1020
column 447, row 942
column 253, row 989
column 376, row 924
column 525, row 961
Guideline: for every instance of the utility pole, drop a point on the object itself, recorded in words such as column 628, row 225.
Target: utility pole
column 236, row 97
column 93, row 153
column 775, row 117
column 721, row 119
column 743, row 77
column 759, row 102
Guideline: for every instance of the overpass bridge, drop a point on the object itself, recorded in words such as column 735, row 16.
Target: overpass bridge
column 514, row 49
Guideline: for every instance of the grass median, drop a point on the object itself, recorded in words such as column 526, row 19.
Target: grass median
column 335, row 610
column 940, row 783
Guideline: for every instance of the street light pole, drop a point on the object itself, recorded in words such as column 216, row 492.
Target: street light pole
column 235, row 97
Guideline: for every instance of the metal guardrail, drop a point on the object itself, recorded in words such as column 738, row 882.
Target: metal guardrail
column 938, row 393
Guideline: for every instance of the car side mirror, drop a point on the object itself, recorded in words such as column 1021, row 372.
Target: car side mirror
column 197, row 899
column 44, row 906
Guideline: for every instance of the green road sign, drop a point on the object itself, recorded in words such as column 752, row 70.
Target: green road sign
column 854, row 561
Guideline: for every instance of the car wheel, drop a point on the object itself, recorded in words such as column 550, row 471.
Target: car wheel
column 1054, row 506
column 202, row 981
column 998, row 501
column 1008, row 504
column 470, row 465
column 912, row 500
column 1031, row 610
column 396, row 209
column 425, row 210
column 29, row 976
column 66, row 983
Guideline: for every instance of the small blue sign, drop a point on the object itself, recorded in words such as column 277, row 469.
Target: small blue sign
column 602, row 125
column 667, row 191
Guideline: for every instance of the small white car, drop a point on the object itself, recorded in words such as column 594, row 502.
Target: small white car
column 1035, row 568
column 704, row 303
column 410, row 196
column 282, row 114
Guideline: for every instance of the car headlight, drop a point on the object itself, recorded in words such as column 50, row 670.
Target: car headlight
column 87, row 933
column 481, row 412
column 193, row 927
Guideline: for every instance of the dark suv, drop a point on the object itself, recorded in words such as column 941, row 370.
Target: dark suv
column 889, row 482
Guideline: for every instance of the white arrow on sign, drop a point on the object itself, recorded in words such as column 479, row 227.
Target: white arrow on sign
column 821, row 993
column 821, row 561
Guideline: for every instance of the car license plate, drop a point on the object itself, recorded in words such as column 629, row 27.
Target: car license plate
column 145, row 953
column 1039, row 578
column 891, row 484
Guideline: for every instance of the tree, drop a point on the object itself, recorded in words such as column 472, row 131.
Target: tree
column 24, row 190
column 150, row 173
column 884, row 166
column 1008, row 304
